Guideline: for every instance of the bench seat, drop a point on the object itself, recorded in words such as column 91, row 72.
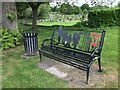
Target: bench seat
column 78, row 59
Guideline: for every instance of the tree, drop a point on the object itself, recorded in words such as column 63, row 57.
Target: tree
column 99, row 7
column 85, row 13
column 69, row 9
column 9, row 15
column 43, row 10
column 102, row 2
column 0, row 14
column 118, row 4
column 34, row 6
column 21, row 6
column 27, row 13
column 85, row 6
column 76, row 10
column 21, row 9
column 66, row 8
column 53, row 9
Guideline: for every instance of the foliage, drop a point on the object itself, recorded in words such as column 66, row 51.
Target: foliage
column 119, row 4
column 107, row 17
column 99, row 7
column 85, row 9
column 53, row 9
column 34, row 6
column 85, row 6
column 44, row 10
column 85, row 14
column 68, row 9
column 76, row 10
column 11, row 15
column 10, row 38
column 21, row 7
column 27, row 13
column 102, row 2
column 65, row 8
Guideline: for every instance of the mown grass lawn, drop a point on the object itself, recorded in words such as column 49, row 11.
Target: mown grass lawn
column 19, row 71
column 56, row 23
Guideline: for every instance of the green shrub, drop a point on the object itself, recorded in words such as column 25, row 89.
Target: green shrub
column 10, row 38
column 11, row 15
column 108, row 17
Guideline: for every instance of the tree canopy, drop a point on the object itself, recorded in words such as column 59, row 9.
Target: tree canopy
column 85, row 6
column 66, row 8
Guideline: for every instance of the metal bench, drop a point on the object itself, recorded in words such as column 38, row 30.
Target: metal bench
column 79, row 49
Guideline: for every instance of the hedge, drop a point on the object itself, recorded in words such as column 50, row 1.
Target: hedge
column 107, row 17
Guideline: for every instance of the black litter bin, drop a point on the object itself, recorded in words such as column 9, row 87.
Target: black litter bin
column 30, row 42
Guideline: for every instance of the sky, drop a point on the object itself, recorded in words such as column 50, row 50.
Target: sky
column 81, row 2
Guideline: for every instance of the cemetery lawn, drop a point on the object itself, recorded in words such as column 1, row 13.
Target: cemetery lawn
column 20, row 71
column 56, row 23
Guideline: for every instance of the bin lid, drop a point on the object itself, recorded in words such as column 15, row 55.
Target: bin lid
column 29, row 33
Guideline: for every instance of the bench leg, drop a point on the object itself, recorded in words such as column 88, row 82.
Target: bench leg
column 87, row 76
column 99, row 64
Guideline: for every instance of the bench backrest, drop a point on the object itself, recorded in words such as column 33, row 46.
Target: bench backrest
column 85, row 41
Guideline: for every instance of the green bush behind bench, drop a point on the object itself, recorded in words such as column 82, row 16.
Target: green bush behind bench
column 107, row 17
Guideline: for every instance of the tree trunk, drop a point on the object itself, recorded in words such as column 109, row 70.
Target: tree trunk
column 34, row 6
column 34, row 10
column 0, row 13
column 9, row 15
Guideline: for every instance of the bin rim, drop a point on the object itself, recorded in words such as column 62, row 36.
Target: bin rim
column 25, row 32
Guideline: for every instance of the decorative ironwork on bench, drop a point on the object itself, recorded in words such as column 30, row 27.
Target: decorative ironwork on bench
column 82, row 40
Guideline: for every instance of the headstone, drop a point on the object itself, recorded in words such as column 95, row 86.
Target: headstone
column 51, row 17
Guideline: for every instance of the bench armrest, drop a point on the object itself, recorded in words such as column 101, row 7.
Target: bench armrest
column 47, row 39
column 98, row 48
